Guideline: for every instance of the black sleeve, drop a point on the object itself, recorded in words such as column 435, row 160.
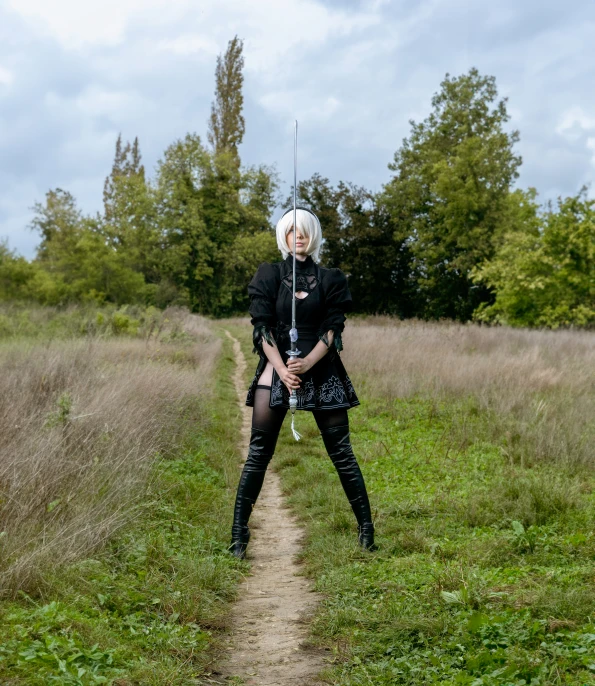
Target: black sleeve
column 337, row 301
column 263, row 295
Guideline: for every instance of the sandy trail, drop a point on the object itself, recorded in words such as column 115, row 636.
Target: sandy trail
column 267, row 644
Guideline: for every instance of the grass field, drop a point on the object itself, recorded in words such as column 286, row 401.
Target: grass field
column 124, row 578
column 119, row 467
column 485, row 572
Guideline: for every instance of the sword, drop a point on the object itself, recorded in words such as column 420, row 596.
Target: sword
column 293, row 334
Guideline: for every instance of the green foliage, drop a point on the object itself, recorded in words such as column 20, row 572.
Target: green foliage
column 43, row 650
column 359, row 238
column 545, row 276
column 226, row 124
column 19, row 320
column 129, row 225
column 448, row 198
column 193, row 239
column 75, row 262
column 209, row 212
column 61, row 415
column 171, row 241
column 242, row 259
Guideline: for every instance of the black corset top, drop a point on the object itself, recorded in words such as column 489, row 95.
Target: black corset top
column 305, row 276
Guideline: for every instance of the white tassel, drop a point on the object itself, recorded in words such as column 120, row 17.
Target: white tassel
column 296, row 435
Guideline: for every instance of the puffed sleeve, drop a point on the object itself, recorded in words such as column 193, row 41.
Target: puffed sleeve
column 338, row 301
column 262, row 291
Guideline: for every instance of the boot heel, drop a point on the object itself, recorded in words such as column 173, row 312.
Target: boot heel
column 365, row 535
column 238, row 549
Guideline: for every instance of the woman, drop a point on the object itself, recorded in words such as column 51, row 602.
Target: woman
column 318, row 376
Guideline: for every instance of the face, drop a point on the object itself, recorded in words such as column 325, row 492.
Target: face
column 301, row 242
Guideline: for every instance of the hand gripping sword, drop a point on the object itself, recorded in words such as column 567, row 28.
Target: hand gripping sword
column 293, row 334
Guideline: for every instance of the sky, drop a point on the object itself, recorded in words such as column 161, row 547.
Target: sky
column 73, row 75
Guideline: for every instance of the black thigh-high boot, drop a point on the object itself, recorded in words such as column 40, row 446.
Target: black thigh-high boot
column 338, row 446
column 260, row 451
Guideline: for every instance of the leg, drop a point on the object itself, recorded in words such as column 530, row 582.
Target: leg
column 266, row 424
column 334, row 428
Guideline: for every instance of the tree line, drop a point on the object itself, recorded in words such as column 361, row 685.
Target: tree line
column 447, row 236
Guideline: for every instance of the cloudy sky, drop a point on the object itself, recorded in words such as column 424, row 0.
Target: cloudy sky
column 74, row 74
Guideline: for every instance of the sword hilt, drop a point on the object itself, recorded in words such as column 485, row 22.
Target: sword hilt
column 293, row 395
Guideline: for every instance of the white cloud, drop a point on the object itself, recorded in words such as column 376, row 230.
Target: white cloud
column 574, row 122
column 76, row 24
column 6, row 76
column 189, row 44
column 293, row 103
column 95, row 101
column 576, row 125
column 274, row 28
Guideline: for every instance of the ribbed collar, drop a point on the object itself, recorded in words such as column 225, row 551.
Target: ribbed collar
column 299, row 265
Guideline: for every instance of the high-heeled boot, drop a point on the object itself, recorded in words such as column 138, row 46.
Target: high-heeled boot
column 338, row 446
column 260, row 451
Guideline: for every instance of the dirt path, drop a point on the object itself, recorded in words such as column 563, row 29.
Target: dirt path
column 267, row 643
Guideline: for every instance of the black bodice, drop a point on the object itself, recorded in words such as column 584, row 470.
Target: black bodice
column 322, row 310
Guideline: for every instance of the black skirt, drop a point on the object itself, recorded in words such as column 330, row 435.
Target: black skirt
column 326, row 386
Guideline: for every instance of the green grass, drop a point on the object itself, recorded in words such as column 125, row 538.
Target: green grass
column 485, row 571
column 149, row 608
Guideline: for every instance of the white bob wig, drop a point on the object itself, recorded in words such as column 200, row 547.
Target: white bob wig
column 307, row 222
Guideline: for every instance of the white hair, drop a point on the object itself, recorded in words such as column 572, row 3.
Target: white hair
column 308, row 223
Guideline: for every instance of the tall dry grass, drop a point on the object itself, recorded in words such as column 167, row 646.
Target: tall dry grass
column 537, row 386
column 81, row 423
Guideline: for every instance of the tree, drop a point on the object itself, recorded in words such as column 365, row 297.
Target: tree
column 76, row 262
column 545, row 274
column 187, row 251
column 226, row 125
column 16, row 275
column 449, row 198
column 56, row 221
column 205, row 205
column 127, row 163
column 359, row 238
column 128, row 222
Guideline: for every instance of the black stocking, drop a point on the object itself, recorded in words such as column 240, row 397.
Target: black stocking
column 263, row 416
column 325, row 419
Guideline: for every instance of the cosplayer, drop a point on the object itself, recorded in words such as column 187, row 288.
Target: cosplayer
column 320, row 382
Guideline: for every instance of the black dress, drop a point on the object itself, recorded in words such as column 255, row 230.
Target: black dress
column 326, row 385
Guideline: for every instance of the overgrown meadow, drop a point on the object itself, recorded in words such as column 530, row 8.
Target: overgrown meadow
column 119, row 462
column 118, row 465
column 476, row 444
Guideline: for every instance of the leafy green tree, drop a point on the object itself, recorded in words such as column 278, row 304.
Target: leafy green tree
column 205, row 205
column 242, row 259
column 187, row 251
column 359, row 238
column 127, row 163
column 57, row 221
column 259, row 195
column 545, row 275
column 76, row 263
column 16, row 275
column 129, row 222
column 449, row 197
column 226, row 124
